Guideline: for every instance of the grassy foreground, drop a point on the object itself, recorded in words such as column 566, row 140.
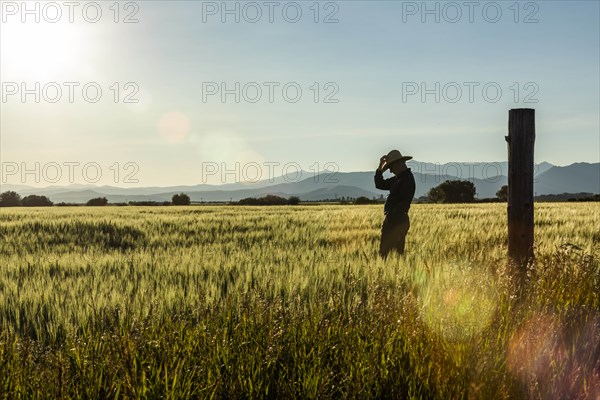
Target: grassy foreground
column 292, row 302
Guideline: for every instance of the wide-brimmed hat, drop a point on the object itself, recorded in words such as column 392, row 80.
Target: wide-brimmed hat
column 394, row 156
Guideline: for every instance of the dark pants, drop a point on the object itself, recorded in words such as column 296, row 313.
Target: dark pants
column 393, row 234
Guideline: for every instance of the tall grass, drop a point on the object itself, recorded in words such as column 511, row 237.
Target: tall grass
column 293, row 302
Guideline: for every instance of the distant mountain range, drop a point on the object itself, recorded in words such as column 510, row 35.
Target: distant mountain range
column 487, row 177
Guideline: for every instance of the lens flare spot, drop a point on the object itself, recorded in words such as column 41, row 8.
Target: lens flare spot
column 554, row 360
column 458, row 303
column 174, row 126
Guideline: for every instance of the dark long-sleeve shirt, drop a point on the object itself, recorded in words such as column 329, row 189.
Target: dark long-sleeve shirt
column 402, row 191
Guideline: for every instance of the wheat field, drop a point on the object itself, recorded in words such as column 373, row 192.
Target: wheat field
column 293, row 302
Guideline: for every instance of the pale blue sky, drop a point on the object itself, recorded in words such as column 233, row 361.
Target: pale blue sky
column 370, row 54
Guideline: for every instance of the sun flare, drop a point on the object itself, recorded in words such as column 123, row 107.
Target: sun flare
column 39, row 51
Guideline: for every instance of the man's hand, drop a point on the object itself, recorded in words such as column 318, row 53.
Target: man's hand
column 381, row 162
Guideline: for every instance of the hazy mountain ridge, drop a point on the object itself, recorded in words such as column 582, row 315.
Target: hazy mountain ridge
column 575, row 178
column 578, row 177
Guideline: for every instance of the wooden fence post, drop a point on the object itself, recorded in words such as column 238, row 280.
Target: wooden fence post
column 521, row 138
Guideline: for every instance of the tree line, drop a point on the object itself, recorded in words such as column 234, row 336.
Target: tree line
column 447, row 192
column 452, row 191
column 13, row 199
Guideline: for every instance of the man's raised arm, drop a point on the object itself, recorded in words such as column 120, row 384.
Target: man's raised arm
column 380, row 183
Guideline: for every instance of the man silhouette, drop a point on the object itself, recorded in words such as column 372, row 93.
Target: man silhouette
column 402, row 190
